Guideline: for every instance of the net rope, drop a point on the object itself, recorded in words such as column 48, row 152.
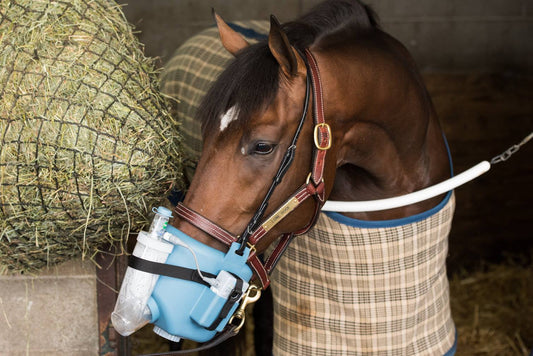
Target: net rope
column 86, row 143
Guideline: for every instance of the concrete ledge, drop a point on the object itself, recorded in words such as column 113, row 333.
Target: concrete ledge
column 52, row 313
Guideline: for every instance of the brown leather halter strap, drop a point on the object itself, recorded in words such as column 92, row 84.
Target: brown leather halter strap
column 313, row 187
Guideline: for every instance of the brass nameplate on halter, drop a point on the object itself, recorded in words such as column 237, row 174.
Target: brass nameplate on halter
column 283, row 211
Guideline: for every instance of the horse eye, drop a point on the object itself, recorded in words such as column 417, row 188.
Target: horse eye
column 263, row 148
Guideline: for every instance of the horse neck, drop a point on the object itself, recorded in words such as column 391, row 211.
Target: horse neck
column 389, row 141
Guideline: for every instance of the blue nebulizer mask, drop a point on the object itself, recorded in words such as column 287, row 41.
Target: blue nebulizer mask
column 184, row 287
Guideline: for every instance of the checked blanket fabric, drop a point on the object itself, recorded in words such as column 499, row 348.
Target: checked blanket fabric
column 341, row 289
column 346, row 288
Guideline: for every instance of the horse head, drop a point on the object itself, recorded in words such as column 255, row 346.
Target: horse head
column 254, row 119
column 257, row 122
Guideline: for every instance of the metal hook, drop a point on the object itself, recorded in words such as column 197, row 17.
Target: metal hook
column 252, row 295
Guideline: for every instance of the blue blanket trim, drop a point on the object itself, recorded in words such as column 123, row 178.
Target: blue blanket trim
column 453, row 349
column 248, row 32
column 394, row 222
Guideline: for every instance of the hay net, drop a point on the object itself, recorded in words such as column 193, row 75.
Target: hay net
column 86, row 144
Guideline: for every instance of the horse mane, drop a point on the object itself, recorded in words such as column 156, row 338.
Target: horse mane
column 329, row 18
column 251, row 80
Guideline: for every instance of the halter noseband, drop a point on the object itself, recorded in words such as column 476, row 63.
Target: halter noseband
column 313, row 187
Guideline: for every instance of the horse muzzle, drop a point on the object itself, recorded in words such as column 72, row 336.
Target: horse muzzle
column 184, row 287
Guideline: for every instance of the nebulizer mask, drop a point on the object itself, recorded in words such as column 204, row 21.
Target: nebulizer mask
column 184, row 287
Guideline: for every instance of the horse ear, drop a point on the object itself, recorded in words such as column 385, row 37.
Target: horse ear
column 231, row 40
column 288, row 58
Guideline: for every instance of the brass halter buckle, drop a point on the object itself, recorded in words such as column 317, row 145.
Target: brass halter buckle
column 251, row 296
column 318, row 128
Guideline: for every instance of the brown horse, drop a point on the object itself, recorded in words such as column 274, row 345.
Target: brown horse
column 380, row 136
column 386, row 141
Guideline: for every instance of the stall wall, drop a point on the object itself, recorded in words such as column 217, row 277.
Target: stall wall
column 446, row 35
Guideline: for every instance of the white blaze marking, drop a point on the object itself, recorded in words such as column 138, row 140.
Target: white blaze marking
column 228, row 117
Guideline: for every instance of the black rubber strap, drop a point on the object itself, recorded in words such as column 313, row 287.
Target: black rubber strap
column 233, row 298
column 163, row 269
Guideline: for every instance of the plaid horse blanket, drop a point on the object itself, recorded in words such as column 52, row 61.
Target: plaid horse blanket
column 352, row 287
column 348, row 287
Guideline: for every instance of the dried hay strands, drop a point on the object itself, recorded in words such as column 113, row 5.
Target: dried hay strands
column 86, row 143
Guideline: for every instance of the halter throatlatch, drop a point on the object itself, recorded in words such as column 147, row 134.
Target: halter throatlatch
column 314, row 187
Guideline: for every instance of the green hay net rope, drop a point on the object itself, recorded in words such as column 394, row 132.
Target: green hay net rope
column 87, row 146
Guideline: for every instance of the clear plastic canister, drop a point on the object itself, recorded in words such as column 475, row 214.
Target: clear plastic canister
column 131, row 310
column 160, row 221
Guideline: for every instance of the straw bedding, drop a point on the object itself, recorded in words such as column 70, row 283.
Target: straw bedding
column 87, row 146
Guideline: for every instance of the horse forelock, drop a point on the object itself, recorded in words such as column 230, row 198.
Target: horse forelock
column 248, row 84
column 251, row 80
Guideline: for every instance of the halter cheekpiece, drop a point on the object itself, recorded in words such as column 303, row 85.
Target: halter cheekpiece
column 314, row 187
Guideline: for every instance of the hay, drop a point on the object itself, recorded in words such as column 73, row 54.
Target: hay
column 493, row 310
column 87, row 146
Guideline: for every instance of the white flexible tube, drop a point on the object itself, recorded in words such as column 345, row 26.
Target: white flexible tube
column 411, row 198
column 177, row 241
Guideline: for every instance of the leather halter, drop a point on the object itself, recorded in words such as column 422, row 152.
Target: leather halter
column 313, row 187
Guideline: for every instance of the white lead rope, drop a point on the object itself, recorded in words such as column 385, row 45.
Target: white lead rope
column 424, row 194
column 407, row 199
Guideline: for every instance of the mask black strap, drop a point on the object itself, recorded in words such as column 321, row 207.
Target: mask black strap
column 235, row 296
column 163, row 269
